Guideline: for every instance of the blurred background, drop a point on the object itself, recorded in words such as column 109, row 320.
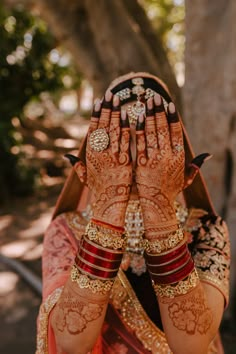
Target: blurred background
column 55, row 58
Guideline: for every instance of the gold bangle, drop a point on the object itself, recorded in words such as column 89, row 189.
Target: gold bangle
column 169, row 243
column 97, row 286
column 181, row 288
column 105, row 237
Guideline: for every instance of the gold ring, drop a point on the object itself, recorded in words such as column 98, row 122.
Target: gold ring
column 99, row 139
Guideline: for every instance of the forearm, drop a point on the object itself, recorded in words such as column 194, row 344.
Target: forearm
column 191, row 321
column 191, row 311
column 77, row 319
column 78, row 316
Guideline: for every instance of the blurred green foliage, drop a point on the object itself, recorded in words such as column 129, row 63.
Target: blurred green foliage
column 30, row 64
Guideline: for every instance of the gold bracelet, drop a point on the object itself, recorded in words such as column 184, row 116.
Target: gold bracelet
column 170, row 242
column 105, row 237
column 181, row 288
column 84, row 281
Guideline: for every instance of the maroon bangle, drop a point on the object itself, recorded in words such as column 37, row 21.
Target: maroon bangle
column 98, row 262
column 176, row 276
column 100, row 251
column 96, row 272
column 159, row 269
column 164, row 258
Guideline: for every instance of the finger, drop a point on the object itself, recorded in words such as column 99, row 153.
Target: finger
column 176, row 133
column 162, row 126
column 150, row 128
column 104, row 121
column 95, row 116
column 114, row 130
column 124, row 157
column 78, row 166
column 194, row 167
column 141, row 142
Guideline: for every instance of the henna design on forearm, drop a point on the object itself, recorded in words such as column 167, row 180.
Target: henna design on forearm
column 190, row 313
column 74, row 313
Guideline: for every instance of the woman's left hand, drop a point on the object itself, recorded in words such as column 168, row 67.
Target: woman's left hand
column 160, row 166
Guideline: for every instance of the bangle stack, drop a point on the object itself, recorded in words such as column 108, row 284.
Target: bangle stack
column 172, row 271
column 96, row 265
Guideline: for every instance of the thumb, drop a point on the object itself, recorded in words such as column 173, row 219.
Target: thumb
column 78, row 166
column 194, row 167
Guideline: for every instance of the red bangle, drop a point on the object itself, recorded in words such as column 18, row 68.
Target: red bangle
column 176, row 276
column 96, row 272
column 98, row 262
column 100, row 251
column 108, row 226
column 159, row 269
column 156, row 259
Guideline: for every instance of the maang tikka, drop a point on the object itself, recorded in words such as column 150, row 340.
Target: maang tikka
column 137, row 108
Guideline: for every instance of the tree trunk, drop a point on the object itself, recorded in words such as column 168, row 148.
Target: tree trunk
column 209, row 99
column 107, row 39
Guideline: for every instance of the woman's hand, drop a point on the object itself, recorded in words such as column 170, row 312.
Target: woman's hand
column 160, row 166
column 109, row 172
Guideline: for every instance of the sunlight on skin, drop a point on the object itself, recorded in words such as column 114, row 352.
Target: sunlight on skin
column 8, row 282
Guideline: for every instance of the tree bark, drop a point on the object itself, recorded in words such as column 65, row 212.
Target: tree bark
column 107, row 39
column 209, row 99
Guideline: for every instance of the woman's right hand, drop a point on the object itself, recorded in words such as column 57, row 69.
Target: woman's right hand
column 109, row 172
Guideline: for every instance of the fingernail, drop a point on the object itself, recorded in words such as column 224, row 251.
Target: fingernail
column 172, row 113
column 97, row 104
column 150, row 108
column 157, row 99
column 108, row 95
column 73, row 159
column 124, row 119
column 171, row 107
column 116, row 101
column 200, row 159
column 140, row 122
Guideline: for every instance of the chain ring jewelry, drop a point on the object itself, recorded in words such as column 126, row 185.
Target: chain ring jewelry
column 99, row 140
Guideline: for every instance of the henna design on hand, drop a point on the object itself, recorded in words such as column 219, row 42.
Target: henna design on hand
column 160, row 168
column 109, row 172
column 191, row 313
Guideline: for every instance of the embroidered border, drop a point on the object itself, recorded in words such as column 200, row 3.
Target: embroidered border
column 44, row 311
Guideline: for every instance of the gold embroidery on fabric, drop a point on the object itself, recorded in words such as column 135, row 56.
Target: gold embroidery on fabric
column 77, row 223
column 44, row 311
column 125, row 301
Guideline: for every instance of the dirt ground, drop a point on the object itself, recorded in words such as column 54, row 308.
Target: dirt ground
column 22, row 224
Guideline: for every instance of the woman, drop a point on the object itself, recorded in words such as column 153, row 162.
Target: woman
column 137, row 262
